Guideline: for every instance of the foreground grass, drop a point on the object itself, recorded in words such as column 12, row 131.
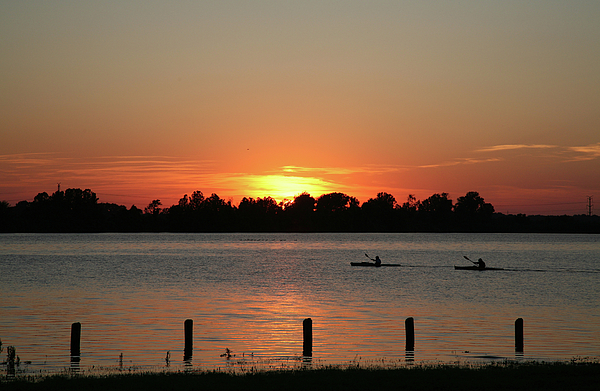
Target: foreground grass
column 530, row 376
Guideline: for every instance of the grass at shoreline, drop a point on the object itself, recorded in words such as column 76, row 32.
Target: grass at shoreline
column 506, row 376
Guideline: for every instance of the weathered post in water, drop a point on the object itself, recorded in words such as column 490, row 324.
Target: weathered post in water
column 188, row 329
column 75, row 339
column 519, row 335
column 409, row 325
column 307, row 331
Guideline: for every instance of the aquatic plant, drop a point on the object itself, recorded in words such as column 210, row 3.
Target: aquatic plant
column 12, row 360
column 227, row 354
column 11, row 353
column 497, row 376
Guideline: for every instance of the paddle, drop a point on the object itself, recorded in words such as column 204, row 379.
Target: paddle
column 376, row 260
column 470, row 260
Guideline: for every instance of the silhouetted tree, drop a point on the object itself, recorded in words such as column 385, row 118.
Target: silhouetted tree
column 332, row 203
column 268, row 205
column 76, row 210
column 117, row 218
column 200, row 214
column 196, row 200
column 437, row 204
column 407, row 213
column 473, row 204
column 153, row 207
column 78, row 197
column 303, row 203
column 258, row 215
column 154, row 219
column 214, row 203
column 379, row 213
column 299, row 214
column 411, row 204
column 41, row 198
column 472, row 211
column 73, row 210
column 58, row 196
column 435, row 212
column 216, row 214
column 179, row 217
column 4, row 214
column 184, row 202
column 337, row 212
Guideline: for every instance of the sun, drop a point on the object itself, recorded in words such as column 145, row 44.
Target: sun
column 284, row 187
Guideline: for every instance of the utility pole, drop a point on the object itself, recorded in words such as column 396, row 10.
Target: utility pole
column 590, row 204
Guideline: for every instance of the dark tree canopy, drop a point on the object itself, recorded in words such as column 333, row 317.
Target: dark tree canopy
column 383, row 201
column 472, row 212
column 333, row 202
column 379, row 213
column 299, row 214
column 76, row 210
column 303, row 203
column 437, row 204
column 153, row 208
column 259, row 215
column 473, row 204
column 411, row 204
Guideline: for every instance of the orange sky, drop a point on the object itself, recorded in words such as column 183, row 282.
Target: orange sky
column 144, row 100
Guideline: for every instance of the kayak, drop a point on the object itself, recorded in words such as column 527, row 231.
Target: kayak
column 476, row 268
column 372, row 264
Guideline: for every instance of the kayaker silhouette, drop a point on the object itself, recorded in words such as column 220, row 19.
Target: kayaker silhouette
column 377, row 260
column 480, row 263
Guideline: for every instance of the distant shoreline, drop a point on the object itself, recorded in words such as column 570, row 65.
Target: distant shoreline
column 78, row 211
column 590, row 231
column 574, row 375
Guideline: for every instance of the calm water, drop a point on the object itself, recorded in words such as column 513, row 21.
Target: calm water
column 250, row 293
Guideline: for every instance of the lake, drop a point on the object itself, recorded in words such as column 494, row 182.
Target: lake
column 249, row 293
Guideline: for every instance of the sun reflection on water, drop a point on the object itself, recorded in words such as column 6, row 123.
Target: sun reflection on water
column 250, row 294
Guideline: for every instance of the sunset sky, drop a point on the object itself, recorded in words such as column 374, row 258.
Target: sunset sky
column 142, row 100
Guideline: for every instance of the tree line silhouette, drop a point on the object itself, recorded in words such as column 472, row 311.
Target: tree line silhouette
column 76, row 210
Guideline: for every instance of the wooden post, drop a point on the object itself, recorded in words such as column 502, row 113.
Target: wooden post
column 409, row 325
column 188, row 328
column 307, row 331
column 75, row 339
column 519, row 335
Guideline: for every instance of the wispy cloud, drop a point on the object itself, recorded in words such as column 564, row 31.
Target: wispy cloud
column 25, row 160
column 367, row 169
column 561, row 153
column 587, row 152
column 556, row 152
column 138, row 178
column 506, row 147
column 166, row 177
column 460, row 161
column 127, row 175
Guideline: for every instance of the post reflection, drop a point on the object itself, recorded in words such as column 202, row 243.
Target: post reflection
column 75, row 347
column 519, row 336
column 188, row 330
column 75, row 364
column 307, row 361
column 187, row 363
column 11, row 362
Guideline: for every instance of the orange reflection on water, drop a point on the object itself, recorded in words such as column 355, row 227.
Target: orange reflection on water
column 250, row 294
